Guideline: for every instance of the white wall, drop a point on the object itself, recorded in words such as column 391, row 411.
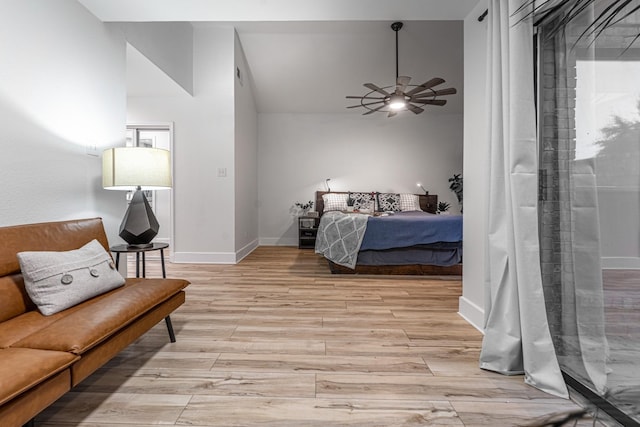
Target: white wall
column 169, row 45
column 62, row 87
column 297, row 152
column 204, row 203
column 246, row 157
column 475, row 171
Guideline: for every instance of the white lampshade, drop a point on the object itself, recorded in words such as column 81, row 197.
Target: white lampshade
column 126, row 168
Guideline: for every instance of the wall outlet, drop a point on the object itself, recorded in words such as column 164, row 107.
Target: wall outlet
column 222, row 172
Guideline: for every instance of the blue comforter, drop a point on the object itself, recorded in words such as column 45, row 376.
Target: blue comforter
column 404, row 229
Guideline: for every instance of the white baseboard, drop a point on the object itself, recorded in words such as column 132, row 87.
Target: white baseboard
column 214, row 257
column 242, row 253
column 620, row 263
column 471, row 313
column 278, row 241
column 204, row 257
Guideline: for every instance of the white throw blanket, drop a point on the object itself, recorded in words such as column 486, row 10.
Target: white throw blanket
column 340, row 236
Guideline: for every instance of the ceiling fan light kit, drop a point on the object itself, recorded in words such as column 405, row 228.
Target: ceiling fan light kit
column 397, row 101
column 404, row 96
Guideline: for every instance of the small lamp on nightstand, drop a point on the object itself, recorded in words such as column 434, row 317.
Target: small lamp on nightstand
column 137, row 169
column 423, row 189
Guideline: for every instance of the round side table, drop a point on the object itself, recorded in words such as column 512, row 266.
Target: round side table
column 126, row 249
column 140, row 256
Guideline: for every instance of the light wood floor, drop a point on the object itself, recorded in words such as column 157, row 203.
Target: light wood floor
column 278, row 341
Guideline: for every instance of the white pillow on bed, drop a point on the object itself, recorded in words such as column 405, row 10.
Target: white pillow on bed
column 335, row 201
column 409, row 202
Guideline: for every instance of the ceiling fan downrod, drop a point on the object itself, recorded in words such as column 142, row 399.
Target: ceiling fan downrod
column 396, row 26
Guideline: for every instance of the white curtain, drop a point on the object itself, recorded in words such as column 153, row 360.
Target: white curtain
column 517, row 338
column 576, row 292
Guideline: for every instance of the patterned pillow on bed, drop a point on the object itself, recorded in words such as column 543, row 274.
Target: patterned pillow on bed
column 409, row 202
column 335, row 201
column 388, row 202
column 363, row 201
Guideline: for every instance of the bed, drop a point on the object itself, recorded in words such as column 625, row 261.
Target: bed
column 411, row 242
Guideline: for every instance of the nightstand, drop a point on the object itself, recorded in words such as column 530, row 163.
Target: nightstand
column 307, row 231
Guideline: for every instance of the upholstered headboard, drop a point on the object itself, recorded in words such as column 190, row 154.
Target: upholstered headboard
column 428, row 202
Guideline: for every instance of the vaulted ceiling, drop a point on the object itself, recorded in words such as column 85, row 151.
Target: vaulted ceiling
column 307, row 59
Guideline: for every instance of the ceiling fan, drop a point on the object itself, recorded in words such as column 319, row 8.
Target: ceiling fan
column 403, row 96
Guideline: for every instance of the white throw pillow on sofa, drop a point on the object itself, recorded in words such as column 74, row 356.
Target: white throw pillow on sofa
column 58, row 280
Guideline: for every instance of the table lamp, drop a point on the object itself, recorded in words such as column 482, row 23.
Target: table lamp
column 137, row 169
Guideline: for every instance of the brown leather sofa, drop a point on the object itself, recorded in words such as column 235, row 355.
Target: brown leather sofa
column 43, row 357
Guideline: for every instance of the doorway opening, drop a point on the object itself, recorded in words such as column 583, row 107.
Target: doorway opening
column 157, row 135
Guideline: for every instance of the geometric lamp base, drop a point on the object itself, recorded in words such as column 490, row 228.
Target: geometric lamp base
column 139, row 225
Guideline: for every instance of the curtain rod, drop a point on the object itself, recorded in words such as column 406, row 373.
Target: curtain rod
column 484, row 14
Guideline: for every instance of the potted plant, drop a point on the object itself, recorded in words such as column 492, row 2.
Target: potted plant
column 443, row 207
column 304, row 207
column 455, row 185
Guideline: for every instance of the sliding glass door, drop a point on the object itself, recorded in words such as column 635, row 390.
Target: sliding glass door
column 589, row 115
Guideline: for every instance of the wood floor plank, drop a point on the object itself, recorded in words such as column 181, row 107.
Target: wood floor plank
column 137, row 357
column 508, row 414
column 203, row 344
column 277, row 340
column 390, row 386
column 190, row 382
column 91, row 407
column 344, row 312
column 228, row 412
column 320, row 333
column 452, row 360
column 319, row 364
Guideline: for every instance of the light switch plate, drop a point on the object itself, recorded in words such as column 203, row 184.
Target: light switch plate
column 92, row 150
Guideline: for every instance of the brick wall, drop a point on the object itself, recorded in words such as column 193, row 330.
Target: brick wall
column 557, row 149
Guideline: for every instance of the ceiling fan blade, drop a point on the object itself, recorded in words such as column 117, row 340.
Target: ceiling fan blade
column 365, row 104
column 426, row 85
column 377, row 89
column 365, row 97
column 439, row 102
column 374, row 110
column 402, row 82
column 415, row 108
column 448, row 91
